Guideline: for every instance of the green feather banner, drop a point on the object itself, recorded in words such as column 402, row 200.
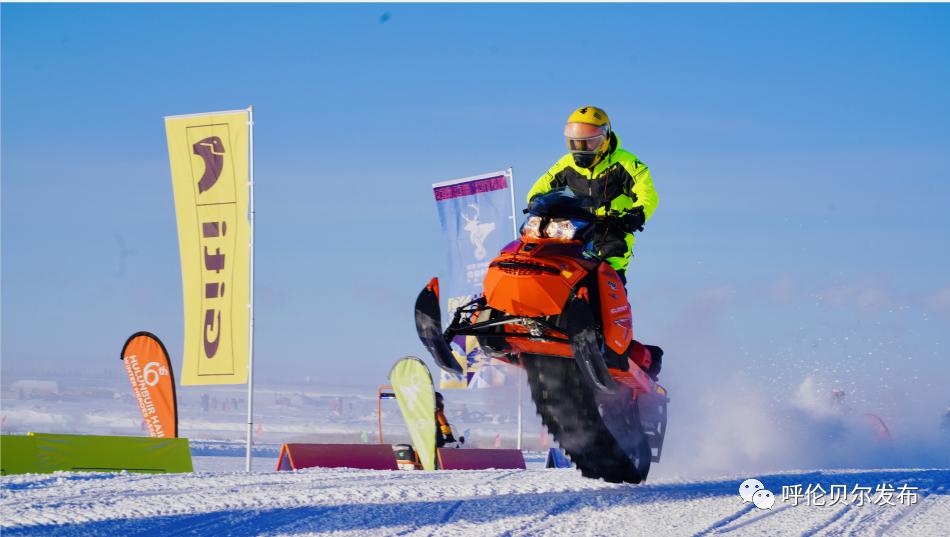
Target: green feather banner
column 415, row 394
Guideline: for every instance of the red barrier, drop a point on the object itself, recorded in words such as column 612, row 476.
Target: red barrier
column 363, row 456
column 481, row 459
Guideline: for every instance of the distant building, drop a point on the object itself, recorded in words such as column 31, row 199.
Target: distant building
column 35, row 389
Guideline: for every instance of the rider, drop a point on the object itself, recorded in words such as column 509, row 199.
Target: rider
column 443, row 431
column 596, row 166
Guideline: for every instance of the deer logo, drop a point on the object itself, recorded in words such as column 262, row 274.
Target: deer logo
column 477, row 233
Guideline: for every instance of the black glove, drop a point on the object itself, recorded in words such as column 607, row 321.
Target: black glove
column 632, row 220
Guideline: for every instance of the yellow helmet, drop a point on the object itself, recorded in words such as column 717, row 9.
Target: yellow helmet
column 591, row 115
column 587, row 135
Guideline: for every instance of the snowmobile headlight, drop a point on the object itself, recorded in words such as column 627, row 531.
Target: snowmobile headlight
column 532, row 227
column 560, row 228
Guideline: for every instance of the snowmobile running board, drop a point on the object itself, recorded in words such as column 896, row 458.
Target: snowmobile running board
column 429, row 328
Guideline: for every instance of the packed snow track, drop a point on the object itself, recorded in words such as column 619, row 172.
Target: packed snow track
column 529, row 502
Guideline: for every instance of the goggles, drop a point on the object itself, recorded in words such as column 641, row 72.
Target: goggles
column 584, row 138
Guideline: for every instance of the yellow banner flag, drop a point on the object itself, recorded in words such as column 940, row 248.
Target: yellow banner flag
column 209, row 156
column 415, row 394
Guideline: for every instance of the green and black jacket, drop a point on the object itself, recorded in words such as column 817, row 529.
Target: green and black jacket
column 619, row 181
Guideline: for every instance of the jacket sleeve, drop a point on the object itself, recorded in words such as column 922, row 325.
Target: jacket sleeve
column 642, row 188
column 545, row 183
column 541, row 186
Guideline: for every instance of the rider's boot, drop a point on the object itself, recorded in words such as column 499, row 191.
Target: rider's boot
column 656, row 361
column 649, row 358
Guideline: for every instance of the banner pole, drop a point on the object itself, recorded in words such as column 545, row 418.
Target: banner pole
column 514, row 234
column 250, row 305
column 520, row 398
column 514, row 213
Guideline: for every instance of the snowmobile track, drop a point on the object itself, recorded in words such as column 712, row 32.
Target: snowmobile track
column 569, row 409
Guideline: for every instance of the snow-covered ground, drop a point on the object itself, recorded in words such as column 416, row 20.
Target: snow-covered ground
column 693, row 491
column 218, row 499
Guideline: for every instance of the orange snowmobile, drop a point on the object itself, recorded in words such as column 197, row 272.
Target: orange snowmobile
column 551, row 306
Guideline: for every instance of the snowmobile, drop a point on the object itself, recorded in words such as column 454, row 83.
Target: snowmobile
column 553, row 307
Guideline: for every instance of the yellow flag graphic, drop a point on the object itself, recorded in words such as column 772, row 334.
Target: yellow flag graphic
column 209, row 157
column 415, row 394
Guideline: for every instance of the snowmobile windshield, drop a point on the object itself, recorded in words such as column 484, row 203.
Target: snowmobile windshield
column 563, row 203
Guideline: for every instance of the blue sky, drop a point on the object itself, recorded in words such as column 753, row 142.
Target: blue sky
column 800, row 155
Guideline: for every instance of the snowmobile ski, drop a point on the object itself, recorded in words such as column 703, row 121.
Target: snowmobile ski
column 429, row 328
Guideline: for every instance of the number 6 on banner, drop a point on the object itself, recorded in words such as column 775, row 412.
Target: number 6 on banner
column 152, row 371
